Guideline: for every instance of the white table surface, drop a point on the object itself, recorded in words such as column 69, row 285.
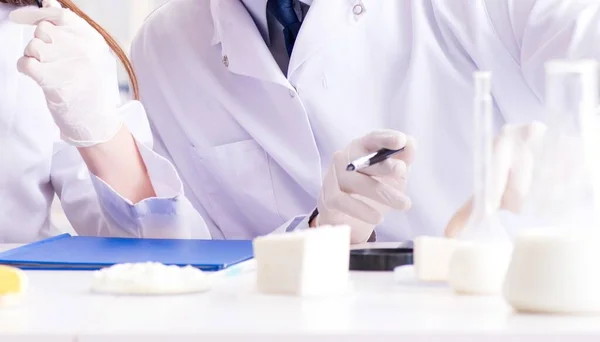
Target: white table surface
column 59, row 307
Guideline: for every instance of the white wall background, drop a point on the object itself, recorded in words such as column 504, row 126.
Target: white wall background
column 121, row 18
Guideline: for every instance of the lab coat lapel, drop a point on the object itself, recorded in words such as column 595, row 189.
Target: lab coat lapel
column 276, row 122
column 325, row 19
column 243, row 48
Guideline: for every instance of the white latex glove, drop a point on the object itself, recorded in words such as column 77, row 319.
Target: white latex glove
column 361, row 199
column 66, row 58
column 512, row 169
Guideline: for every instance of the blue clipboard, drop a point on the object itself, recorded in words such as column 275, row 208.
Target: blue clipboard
column 66, row 252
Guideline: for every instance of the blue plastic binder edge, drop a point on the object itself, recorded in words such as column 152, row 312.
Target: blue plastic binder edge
column 33, row 245
column 49, row 266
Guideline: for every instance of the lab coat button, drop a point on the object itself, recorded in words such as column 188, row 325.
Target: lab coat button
column 226, row 61
column 292, row 93
column 358, row 9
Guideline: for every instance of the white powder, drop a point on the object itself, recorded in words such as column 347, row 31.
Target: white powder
column 150, row 278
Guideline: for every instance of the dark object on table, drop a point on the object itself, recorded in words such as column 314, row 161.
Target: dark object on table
column 380, row 259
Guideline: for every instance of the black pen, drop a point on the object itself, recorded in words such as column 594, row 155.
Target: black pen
column 371, row 159
column 40, row 3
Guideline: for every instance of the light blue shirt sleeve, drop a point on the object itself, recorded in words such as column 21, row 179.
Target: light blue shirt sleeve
column 295, row 223
column 301, row 223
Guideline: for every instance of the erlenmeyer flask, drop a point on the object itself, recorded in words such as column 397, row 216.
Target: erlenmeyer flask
column 564, row 187
column 553, row 268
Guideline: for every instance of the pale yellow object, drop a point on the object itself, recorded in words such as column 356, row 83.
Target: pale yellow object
column 12, row 280
column 13, row 283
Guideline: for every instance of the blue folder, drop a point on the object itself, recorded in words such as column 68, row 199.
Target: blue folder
column 66, row 252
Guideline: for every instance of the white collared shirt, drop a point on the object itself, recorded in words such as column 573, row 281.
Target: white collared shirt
column 272, row 30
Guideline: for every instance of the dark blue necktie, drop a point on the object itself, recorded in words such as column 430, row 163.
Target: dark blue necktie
column 283, row 11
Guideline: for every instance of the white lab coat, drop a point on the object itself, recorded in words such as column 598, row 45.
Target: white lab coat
column 35, row 165
column 252, row 144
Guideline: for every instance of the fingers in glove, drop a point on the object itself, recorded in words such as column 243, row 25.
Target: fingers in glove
column 344, row 203
column 524, row 140
column 459, row 220
column 502, row 163
column 41, row 51
column 377, row 191
column 376, row 140
column 511, row 172
column 531, row 134
column 40, row 47
column 518, row 183
column 31, row 67
column 332, row 198
column 390, row 168
column 33, row 15
column 409, row 152
column 407, row 156
column 500, row 173
column 393, row 141
column 51, row 3
column 44, row 31
column 369, row 187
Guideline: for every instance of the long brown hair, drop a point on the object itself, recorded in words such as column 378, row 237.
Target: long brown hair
column 112, row 43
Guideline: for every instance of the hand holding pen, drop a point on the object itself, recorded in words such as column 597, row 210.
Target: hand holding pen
column 361, row 199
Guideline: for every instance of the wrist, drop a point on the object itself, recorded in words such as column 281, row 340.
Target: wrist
column 312, row 221
column 98, row 156
column 118, row 162
column 101, row 130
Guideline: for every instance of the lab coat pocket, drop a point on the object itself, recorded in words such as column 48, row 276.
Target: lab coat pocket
column 237, row 189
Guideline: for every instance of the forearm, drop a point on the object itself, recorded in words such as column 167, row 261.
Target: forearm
column 118, row 163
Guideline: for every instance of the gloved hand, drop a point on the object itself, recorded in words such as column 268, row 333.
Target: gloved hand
column 512, row 169
column 67, row 58
column 361, row 199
